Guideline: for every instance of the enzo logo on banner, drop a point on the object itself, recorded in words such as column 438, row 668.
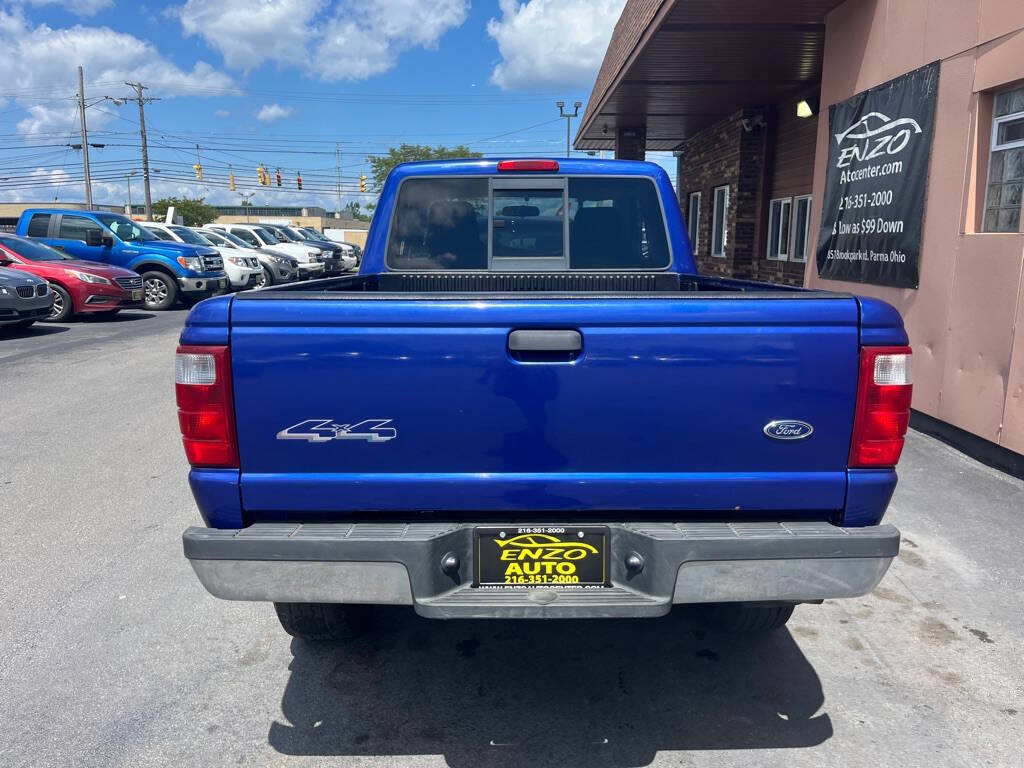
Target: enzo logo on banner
column 872, row 210
column 874, row 135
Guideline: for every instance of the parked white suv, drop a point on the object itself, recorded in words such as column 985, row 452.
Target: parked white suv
column 243, row 271
column 310, row 259
column 277, row 267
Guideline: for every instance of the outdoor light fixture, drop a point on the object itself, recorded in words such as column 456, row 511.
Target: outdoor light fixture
column 807, row 108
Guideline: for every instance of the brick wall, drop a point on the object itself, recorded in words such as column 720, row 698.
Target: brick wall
column 770, row 159
column 725, row 153
column 791, row 149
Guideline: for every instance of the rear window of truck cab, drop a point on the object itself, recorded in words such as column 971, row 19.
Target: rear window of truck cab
column 528, row 224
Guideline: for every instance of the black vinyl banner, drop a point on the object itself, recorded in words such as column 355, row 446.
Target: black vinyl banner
column 880, row 143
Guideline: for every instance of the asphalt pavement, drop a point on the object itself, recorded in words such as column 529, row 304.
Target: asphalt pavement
column 111, row 653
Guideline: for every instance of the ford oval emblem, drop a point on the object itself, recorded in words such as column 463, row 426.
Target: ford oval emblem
column 788, row 429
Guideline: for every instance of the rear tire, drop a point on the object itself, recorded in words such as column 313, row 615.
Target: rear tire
column 160, row 290
column 62, row 306
column 324, row 621
column 748, row 618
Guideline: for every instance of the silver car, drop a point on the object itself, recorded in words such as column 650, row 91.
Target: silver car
column 24, row 298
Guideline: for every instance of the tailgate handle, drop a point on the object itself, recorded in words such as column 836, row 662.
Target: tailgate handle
column 545, row 341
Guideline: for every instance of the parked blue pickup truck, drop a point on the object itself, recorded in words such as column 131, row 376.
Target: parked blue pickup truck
column 169, row 270
column 529, row 404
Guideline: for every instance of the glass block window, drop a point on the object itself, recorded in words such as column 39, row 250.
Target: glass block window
column 1003, row 198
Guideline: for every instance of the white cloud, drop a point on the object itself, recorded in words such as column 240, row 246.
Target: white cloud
column 272, row 30
column 268, row 113
column 43, row 60
column 77, row 7
column 552, row 43
column 342, row 40
column 221, row 113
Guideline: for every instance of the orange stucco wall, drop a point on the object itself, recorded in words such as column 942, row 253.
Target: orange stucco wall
column 966, row 320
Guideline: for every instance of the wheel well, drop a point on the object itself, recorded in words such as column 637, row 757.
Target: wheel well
column 154, row 267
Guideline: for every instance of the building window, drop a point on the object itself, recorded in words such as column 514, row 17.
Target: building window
column 778, row 228
column 1006, row 163
column 720, row 221
column 693, row 221
column 801, row 227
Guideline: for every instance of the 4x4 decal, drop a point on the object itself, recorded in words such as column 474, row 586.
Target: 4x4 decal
column 325, row 430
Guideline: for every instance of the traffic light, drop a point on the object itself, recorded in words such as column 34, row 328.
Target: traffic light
column 362, row 182
column 279, row 177
column 199, row 171
column 231, row 180
column 298, row 180
column 261, row 174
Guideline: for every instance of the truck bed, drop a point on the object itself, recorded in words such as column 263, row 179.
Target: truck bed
column 457, row 284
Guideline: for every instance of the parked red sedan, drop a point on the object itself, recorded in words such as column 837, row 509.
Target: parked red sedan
column 78, row 286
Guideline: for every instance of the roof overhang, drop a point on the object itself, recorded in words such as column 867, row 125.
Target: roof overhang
column 675, row 67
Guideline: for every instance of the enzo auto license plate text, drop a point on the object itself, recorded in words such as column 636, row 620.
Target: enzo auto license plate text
column 552, row 555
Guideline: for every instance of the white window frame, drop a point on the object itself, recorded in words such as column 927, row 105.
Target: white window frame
column 779, row 251
column 998, row 121
column 995, row 146
column 693, row 221
column 807, row 230
column 725, row 220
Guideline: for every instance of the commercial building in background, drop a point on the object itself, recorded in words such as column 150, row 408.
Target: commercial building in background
column 870, row 146
column 350, row 230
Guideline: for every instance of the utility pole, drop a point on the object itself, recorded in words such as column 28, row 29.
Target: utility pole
column 568, row 122
column 139, row 88
column 85, row 140
column 337, row 152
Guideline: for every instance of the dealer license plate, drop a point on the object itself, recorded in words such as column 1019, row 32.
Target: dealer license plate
column 541, row 555
column 137, row 295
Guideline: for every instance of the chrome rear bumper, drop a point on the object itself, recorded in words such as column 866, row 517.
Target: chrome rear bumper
column 400, row 564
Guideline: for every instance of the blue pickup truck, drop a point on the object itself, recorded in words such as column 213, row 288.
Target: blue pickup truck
column 169, row 270
column 528, row 404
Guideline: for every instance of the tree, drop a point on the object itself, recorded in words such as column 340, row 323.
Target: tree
column 193, row 211
column 381, row 165
column 354, row 211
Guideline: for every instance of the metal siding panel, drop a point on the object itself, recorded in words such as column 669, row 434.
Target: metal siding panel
column 1012, row 436
column 946, row 33
column 986, row 284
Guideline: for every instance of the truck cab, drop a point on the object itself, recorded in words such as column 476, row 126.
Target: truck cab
column 169, row 270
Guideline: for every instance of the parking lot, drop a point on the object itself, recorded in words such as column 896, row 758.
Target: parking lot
column 111, row 652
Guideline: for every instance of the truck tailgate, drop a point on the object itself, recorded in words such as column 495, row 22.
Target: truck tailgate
column 403, row 405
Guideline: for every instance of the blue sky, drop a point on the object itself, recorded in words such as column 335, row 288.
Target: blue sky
column 282, row 83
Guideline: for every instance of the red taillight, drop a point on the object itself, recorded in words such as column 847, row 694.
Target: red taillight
column 206, row 412
column 883, row 406
column 527, row 165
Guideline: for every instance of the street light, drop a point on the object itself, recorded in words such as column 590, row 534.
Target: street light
column 568, row 122
column 129, row 177
column 245, row 204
